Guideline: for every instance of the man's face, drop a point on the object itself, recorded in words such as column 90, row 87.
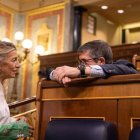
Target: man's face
column 10, row 65
column 86, row 59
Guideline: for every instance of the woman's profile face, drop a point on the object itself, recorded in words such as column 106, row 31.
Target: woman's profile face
column 10, row 65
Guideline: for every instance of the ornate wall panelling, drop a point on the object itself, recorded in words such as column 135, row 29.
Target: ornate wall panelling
column 44, row 26
column 6, row 22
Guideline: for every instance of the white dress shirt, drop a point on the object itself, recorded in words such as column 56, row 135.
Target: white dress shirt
column 96, row 71
column 4, row 109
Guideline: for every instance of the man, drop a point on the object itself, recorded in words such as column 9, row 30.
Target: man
column 96, row 60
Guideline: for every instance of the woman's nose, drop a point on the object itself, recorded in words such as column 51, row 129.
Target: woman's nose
column 18, row 64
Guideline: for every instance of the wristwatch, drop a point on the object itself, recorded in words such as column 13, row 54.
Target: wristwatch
column 82, row 67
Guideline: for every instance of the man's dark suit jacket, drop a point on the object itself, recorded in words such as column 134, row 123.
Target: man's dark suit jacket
column 119, row 67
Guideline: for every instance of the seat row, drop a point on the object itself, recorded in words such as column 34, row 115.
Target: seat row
column 85, row 129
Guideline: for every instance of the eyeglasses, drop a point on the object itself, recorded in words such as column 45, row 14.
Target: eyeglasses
column 86, row 61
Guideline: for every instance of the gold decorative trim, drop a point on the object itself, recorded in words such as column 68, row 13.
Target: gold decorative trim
column 46, row 9
column 91, row 98
column 7, row 9
column 69, row 117
column 11, row 22
column 33, row 13
column 26, row 25
column 25, row 113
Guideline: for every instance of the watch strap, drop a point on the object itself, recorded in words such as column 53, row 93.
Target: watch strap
column 82, row 67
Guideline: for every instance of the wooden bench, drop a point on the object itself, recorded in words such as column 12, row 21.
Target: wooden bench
column 116, row 99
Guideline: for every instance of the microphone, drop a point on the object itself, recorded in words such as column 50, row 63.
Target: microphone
column 45, row 73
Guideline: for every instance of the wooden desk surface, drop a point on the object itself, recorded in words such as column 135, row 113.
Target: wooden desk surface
column 116, row 99
column 121, row 86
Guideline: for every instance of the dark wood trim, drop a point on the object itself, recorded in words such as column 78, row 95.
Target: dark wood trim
column 23, row 102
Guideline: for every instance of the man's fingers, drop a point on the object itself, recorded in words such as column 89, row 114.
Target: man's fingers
column 66, row 80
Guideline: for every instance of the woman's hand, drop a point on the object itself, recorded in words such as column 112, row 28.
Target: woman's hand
column 22, row 118
column 31, row 129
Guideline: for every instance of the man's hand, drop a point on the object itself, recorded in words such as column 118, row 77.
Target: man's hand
column 66, row 80
column 65, row 73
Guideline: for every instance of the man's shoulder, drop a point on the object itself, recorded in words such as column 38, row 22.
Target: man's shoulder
column 121, row 61
column 124, row 62
column 119, row 67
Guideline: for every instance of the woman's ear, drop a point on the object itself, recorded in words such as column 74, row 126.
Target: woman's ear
column 101, row 60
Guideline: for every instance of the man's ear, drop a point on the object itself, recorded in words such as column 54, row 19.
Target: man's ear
column 101, row 60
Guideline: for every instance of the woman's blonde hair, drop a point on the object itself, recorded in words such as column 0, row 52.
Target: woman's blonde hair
column 6, row 47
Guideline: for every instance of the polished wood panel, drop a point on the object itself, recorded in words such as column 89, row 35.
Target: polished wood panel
column 124, row 51
column 117, row 99
column 77, row 108
column 59, row 59
column 127, row 110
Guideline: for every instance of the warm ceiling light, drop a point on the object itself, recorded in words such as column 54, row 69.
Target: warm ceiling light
column 39, row 50
column 19, row 35
column 27, row 43
column 120, row 11
column 104, row 7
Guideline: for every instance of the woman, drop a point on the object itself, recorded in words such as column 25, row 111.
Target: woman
column 9, row 66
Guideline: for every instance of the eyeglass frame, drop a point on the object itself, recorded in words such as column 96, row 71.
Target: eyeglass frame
column 85, row 61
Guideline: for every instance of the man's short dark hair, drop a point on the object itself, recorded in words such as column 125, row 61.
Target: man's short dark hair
column 98, row 48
